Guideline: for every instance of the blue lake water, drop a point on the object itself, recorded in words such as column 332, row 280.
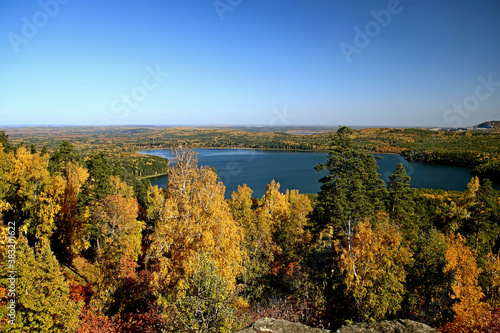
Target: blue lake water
column 295, row 170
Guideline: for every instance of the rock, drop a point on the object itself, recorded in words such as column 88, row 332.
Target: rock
column 388, row 326
column 270, row 325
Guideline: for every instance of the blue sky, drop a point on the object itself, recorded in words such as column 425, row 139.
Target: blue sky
column 249, row 62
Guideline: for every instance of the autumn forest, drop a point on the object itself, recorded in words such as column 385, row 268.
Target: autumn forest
column 88, row 245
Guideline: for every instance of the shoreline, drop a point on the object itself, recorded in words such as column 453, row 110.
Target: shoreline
column 265, row 149
column 268, row 149
column 152, row 176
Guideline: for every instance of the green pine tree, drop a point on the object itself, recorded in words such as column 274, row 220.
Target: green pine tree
column 400, row 205
column 61, row 157
column 98, row 184
column 4, row 141
column 352, row 189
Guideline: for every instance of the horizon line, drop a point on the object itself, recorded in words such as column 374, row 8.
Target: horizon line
column 237, row 125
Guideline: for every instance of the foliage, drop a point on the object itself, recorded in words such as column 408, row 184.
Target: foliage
column 492, row 288
column 428, row 285
column 184, row 258
column 42, row 294
column 275, row 236
column 352, row 189
column 4, row 181
column 64, row 155
column 33, row 194
column 70, row 223
column 118, row 243
column 4, row 142
column 469, row 307
column 373, row 263
column 209, row 304
column 135, row 307
column 98, row 184
column 257, row 241
column 192, row 219
column 482, row 226
column 93, row 321
column 400, row 198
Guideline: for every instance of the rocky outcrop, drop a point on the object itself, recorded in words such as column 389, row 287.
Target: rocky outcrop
column 270, row 325
column 388, row 326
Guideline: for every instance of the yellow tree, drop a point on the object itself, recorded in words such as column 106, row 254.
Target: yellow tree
column 241, row 205
column 298, row 236
column 456, row 211
column 4, row 180
column 373, row 263
column 275, row 232
column 469, row 308
column 119, row 242
column 258, row 242
column 118, row 186
column 287, row 214
column 273, row 214
column 34, row 194
column 42, row 294
column 190, row 220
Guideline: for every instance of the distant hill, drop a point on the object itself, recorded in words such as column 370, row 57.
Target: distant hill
column 490, row 126
column 493, row 125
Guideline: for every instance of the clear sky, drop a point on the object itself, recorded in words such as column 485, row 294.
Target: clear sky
column 249, row 62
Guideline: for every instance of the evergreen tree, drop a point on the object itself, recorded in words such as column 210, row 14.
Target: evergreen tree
column 43, row 151
column 352, row 189
column 4, row 141
column 401, row 205
column 32, row 149
column 98, row 184
column 65, row 154
column 428, row 286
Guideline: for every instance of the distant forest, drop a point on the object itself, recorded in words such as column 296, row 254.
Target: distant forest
column 475, row 148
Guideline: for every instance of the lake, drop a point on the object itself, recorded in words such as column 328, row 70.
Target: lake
column 294, row 170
